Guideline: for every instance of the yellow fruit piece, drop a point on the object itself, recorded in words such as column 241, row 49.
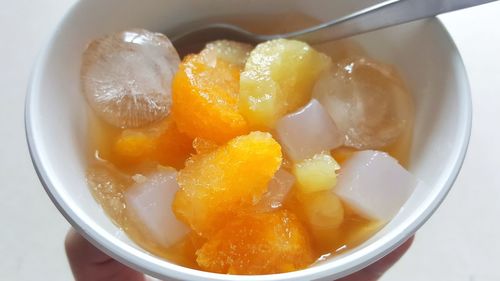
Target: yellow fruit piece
column 363, row 230
column 229, row 51
column 133, row 144
column 278, row 78
column 316, row 174
column 262, row 243
column 216, row 185
column 323, row 209
column 162, row 143
column 205, row 99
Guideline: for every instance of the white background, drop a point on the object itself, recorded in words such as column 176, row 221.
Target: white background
column 459, row 243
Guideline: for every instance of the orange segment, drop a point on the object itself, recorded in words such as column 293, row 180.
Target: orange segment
column 133, row 145
column 205, row 99
column 173, row 147
column 258, row 244
column 216, row 185
column 162, row 143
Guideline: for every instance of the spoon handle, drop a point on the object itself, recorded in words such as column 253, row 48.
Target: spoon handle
column 384, row 14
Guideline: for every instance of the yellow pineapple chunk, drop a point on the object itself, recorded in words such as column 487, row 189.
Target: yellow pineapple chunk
column 323, row 210
column 278, row 78
column 205, row 99
column 316, row 174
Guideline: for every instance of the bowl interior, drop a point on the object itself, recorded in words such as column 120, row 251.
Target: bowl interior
column 56, row 117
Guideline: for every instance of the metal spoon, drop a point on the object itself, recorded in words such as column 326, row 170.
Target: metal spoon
column 384, row 14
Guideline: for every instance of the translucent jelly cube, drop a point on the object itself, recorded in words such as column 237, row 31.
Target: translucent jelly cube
column 150, row 201
column 374, row 184
column 307, row 132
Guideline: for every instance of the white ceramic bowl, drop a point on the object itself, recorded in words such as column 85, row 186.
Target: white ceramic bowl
column 56, row 120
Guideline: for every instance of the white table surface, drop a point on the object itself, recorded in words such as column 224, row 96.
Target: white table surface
column 459, row 243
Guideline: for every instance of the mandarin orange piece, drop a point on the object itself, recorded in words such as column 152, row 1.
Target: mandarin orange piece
column 162, row 143
column 259, row 243
column 216, row 185
column 205, row 99
column 173, row 147
column 133, row 145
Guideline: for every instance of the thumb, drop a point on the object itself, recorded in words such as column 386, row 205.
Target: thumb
column 90, row 264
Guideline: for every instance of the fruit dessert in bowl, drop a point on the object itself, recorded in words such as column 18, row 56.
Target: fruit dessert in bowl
column 283, row 161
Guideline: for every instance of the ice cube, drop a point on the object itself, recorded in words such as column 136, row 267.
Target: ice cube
column 374, row 184
column 367, row 100
column 278, row 189
column 307, row 132
column 126, row 77
column 150, row 200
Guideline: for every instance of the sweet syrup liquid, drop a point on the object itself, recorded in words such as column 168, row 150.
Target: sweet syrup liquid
column 108, row 184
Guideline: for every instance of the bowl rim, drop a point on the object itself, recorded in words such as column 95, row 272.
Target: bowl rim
column 149, row 264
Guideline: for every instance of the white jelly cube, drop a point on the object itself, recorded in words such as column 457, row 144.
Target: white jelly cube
column 374, row 184
column 150, row 199
column 307, row 132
